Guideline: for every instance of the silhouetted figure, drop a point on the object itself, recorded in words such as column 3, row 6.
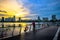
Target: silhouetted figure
column 33, row 23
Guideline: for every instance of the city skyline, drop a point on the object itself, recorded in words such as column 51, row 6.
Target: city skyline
column 19, row 19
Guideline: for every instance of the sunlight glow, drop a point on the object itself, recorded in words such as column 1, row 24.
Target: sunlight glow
column 13, row 8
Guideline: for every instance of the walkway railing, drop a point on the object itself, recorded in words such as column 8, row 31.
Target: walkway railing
column 5, row 31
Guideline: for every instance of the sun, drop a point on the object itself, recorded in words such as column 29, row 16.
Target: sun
column 21, row 14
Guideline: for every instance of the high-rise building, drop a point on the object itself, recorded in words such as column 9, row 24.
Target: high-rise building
column 14, row 18
column 19, row 18
column 54, row 17
column 45, row 19
column 39, row 18
column 8, row 19
column 2, row 19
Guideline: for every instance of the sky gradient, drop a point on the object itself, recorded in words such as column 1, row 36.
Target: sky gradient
column 31, row 8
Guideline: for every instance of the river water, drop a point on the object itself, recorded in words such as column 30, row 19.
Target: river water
column 10, row 30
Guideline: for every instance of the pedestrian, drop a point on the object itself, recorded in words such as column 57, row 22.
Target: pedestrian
column 33, row 23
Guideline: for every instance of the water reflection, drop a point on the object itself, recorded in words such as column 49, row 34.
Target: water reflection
column 12, row 29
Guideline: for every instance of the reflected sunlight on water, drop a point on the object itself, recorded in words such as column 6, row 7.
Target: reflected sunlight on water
column 16, row 29
column 23, row 25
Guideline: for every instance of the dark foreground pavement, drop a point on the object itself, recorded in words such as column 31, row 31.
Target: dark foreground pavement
column 43, row 34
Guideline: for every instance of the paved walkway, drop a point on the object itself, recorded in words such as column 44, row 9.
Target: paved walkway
column 56, row 35
column 44, row 34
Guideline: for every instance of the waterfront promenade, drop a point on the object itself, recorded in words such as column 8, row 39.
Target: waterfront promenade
column 42, row 34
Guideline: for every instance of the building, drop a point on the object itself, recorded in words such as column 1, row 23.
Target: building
column 19, row 19
column 2, row 19
column 39, row 18
column 14, row 18
column 54, row 17
column 8, row 19
column 45, row 19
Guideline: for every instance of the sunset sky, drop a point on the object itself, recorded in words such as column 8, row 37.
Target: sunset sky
column 30, row 8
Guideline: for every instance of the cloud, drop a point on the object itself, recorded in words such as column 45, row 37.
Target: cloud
column 3, row 11
column 32, row 15
column 13, row 7
column 3, row 15
column 30, row 8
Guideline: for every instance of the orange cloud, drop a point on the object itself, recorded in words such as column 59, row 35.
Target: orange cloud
column 13, row 8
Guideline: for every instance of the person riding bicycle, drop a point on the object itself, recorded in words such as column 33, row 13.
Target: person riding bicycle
column 26, row 28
